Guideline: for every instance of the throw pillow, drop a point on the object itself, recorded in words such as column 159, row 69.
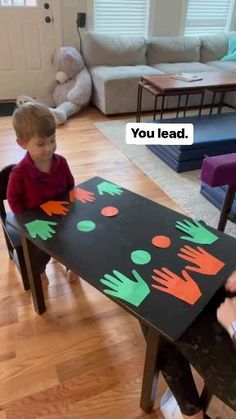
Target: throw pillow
column 231, row 55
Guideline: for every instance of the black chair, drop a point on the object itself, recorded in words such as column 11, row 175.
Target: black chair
column 13, row 239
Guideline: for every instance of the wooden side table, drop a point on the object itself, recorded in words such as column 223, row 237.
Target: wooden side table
column 157, row 92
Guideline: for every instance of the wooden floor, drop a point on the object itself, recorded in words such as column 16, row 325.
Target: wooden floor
column 83, row 358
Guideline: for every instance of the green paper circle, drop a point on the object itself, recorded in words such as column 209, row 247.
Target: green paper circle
column 86, row 226
column 140, row 257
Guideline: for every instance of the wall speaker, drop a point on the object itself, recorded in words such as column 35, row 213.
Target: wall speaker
column 81, row 20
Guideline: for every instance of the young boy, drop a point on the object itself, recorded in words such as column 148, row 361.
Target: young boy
column 41, row 175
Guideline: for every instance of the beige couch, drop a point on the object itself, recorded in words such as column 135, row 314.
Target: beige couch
column 116, row 64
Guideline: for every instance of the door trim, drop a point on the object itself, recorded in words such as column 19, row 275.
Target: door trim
column 56, row 12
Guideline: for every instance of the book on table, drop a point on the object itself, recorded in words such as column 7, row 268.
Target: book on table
column 186, row 77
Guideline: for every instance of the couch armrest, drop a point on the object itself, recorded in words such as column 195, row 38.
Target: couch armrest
column 219, row 170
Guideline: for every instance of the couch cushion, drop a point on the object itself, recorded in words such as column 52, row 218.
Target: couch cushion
column 223, row 65
column 173, row 49
column 106, row 73
column 115, row 88
column 213, row 47
column 103, row 49
column 194, row 67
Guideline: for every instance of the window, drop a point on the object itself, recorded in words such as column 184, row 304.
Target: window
column 125, row 17
column 208, row 17
column 18, row 3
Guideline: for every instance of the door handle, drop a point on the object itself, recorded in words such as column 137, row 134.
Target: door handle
column 48, row 19
column 46, row 6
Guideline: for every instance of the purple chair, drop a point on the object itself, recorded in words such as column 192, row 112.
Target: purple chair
column 218, row 171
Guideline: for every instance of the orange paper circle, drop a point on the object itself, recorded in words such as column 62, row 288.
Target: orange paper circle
column 109, row 211
column 161, row 241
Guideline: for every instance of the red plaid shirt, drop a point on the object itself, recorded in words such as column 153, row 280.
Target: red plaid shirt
column 28, row 187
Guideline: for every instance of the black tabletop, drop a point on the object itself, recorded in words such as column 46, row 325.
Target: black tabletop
column 109, row 245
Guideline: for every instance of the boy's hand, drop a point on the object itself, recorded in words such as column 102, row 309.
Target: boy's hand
column 55, row 207
column 110, row 188
column 231, row 283
column 186, row 289
column 41, row 229
column 81, row 195
column 205, row 262
column 197, row 233
column 226, row 314
column 120, row 286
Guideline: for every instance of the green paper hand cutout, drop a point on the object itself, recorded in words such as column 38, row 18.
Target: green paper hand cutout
column 41, row 229
column 109, row 188
column 197, row 233
column 134, row 292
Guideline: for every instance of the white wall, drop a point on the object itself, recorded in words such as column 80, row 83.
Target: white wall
column 166, row 18
column 69, row 10
column 233, row 21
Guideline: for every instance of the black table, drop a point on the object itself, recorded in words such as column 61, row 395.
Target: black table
column 109, row 246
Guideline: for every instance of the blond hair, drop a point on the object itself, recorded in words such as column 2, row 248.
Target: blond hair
column 33, row 119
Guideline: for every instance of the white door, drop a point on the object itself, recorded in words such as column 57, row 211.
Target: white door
column 28, row 39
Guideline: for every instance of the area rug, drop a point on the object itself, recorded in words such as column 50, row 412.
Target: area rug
column 183, row 188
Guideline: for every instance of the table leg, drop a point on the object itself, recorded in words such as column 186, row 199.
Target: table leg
column 186, row 104
column 139, row 102
column 162, row 106
column 206, row 396
column 227, row 205
column 144, row 329
column 213, row 102
column 150, row 373
column 34, row 275
column 23, row 268
column 155, row 107
column 178, row 106
column 201, row 103
column 221, row 102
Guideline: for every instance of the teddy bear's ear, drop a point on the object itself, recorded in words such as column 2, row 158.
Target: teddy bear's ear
column 68, row 55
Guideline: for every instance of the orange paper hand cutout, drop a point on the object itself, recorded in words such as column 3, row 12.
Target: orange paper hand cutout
column 186, row 289
column 82, row 195
column 205, row 262
column 55, row 207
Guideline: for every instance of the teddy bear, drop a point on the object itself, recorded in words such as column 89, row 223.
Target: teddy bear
column 72, row 88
